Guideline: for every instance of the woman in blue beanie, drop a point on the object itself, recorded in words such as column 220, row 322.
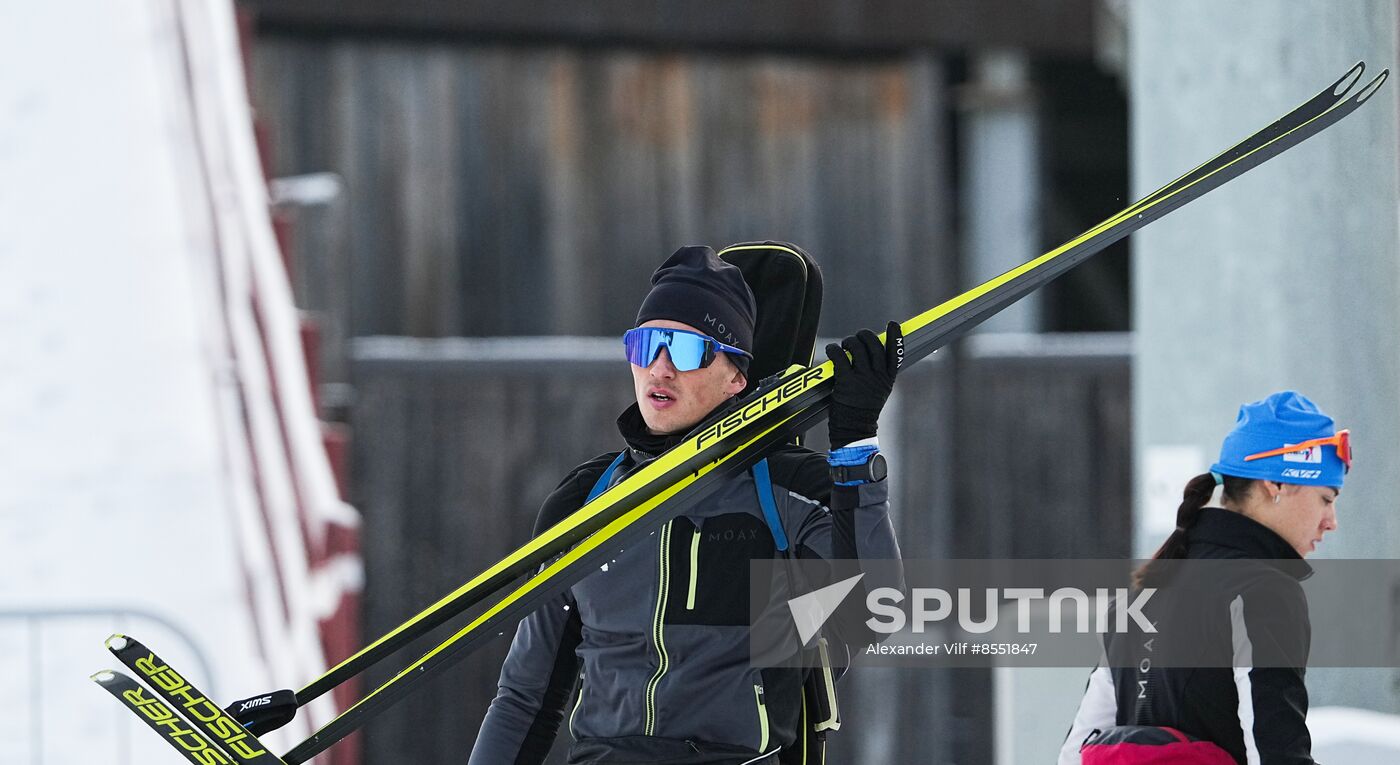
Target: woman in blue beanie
column 1280, row 471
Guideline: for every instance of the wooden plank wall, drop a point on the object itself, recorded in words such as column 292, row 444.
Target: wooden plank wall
column 517, row 190
column 453, row 455
column 496, row 189
column 1064, row 28
column 1007, row 450
column 1052, row 411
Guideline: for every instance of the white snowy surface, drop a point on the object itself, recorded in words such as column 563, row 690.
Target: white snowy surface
column 126, row 493
column 1343, row 734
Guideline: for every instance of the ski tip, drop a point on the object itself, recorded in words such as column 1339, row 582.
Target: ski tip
column 118, row 642
column 1349, row 80
column 1372, row 86
column 104, row 677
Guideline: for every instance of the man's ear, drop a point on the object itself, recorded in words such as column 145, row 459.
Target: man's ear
column 737, row 383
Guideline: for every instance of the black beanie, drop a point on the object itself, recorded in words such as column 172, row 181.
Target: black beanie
column 695, row 287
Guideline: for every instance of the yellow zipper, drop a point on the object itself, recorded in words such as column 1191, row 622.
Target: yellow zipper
column 694, row 570
column 578, row 703
column 762, row 718
column 663, row 586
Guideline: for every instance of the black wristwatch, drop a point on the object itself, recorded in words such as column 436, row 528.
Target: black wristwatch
column 873, row 469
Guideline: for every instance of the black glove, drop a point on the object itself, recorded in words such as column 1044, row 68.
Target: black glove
column 863, row 382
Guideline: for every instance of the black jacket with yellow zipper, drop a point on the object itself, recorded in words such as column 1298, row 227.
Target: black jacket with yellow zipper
column 657, row 641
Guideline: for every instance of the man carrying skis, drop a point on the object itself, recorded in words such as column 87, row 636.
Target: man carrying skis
column 657, row 640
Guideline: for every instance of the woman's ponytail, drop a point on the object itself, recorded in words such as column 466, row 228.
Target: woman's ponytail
column 1197, row 493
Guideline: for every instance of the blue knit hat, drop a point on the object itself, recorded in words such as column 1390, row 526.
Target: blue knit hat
column 1283, row 419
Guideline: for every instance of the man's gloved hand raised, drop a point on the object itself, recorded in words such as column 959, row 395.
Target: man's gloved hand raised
column 863, row 382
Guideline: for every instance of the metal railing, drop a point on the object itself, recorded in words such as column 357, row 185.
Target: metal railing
column 54, row 696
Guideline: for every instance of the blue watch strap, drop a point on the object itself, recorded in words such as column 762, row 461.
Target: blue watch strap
column 851, row 455
column 848, row 457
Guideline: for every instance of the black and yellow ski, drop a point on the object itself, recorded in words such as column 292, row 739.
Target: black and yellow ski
column 212, row 722
column 162, row 719
column 677, row 479
column 1324, row 100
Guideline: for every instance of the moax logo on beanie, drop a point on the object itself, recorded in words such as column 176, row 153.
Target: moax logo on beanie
column 719, row 331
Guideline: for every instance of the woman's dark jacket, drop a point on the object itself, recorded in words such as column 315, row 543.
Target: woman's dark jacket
column 1227, row 662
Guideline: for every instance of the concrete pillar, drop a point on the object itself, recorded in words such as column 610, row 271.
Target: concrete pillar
column 1001, row 165
column 1286, row 278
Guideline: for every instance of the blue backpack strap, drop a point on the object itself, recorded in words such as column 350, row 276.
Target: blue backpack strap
column 764, row 484
column 601, row 485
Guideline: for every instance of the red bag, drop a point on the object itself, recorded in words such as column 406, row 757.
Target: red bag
column 1150, row 745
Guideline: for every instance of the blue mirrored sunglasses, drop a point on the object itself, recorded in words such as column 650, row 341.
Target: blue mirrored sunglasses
column 688, row 350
